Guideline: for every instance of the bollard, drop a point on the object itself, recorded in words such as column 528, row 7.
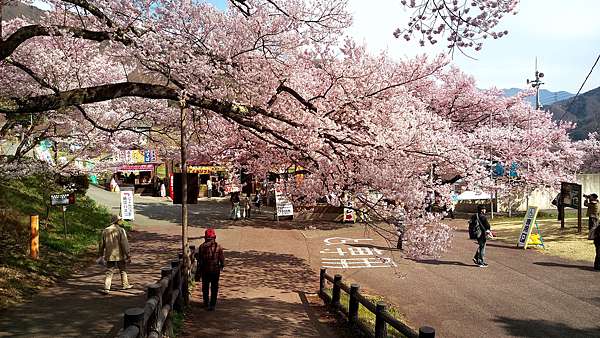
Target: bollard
column 34, row 246
column 426, row 332
column 380, row 325
column 353, row 305
column 153, row 291
column 322, row 281
column 134, row 316
column 335, row 294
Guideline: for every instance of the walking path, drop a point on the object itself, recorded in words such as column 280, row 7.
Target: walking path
column 271, row 275
column 263, row 290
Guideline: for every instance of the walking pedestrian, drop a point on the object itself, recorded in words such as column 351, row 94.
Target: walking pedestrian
column 209, row 187
column 591, row 202
column 246, row 205
column 114, row 249
column 210, row 264
column 235, row 205
column 482, row 228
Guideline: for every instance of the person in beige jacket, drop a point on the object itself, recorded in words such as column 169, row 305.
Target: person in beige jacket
column 114, row 248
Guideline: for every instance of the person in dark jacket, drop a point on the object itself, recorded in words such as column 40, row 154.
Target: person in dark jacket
column 210, row 264
column 482, row 223
column 591, row 202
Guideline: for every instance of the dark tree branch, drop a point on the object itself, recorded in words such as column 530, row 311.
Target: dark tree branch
column 8, row 46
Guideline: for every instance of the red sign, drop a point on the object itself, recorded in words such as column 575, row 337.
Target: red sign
column 171, row 179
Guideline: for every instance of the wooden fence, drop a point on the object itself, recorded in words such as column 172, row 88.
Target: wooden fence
column 382, row 316
column 168, row 294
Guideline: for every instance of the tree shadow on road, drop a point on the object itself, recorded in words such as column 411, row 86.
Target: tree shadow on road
column 75, row 307
column 439, row 262
column 216, row 214
column 260, row 294
column 582, row 267
column 543, row 328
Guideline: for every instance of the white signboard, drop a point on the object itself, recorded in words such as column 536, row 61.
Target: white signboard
column 528, row 223
column 283, row 205
column 127, row 212
column 347, row 253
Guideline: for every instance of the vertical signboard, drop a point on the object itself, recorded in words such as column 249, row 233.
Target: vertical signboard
column 528, row 223
column 282, row 203
column 127, row 212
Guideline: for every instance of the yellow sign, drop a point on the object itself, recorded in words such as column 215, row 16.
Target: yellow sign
column 528, row 238
column 205, row 169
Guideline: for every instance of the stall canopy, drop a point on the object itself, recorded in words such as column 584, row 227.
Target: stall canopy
column 473, row 195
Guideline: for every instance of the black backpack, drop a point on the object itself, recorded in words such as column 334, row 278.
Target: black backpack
column 473, row 225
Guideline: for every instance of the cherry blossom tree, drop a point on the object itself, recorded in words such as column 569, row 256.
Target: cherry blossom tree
column 464, row 24
column 269, row 84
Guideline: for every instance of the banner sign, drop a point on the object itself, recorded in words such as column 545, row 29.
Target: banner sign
column 127, row 211
column 137, row 156
column 283, row 205
column 62, row 199
column 528, row 223
column 205, row 169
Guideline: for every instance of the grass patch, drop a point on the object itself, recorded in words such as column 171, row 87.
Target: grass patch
column 566, row 243
column 21, row 276
column 367, row 317
column 177, row 318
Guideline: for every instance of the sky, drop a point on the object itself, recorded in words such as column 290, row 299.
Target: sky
column 563, row 35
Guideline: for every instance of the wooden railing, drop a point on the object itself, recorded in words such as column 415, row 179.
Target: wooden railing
column 168, row 294
column 382, row 317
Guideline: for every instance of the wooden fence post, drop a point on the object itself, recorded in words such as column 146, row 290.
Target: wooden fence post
column 134, row 316
column 426, row 332
column 335, row 294
column 34, row 246
column 154, row 291
column 353, row 305
column 166, row 272
column 178, row 268
column 380, row 325
column 322, row 281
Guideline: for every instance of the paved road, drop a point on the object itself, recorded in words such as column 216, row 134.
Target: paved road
column 271, row 272
column 265, row 286
column 521, row 293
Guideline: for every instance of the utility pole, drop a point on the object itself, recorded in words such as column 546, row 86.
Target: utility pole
column 184, row 204
column 535, row 84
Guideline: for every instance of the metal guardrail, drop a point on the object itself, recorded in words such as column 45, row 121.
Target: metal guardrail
column 382, row 317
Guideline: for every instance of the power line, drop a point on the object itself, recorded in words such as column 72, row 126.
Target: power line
column 574, row 97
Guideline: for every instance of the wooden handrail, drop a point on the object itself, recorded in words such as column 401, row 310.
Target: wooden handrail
column 383, row 317
column 166, row 295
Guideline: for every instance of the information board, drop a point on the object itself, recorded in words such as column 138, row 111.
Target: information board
column 62, row 199
column 570, row 194
column 283, row 204
column 127, row 211
column 528, row 223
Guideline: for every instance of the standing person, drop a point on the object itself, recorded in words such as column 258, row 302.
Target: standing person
column 482, row 228
column 399, row 225
column 246, row 205
column 258, row 201
column 209, row 188
column 114, row 249
column 210, row 264
column 235, row 205
column 591, row 202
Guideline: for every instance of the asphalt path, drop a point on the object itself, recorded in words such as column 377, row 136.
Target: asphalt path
column 522, row 293
column 271, row 274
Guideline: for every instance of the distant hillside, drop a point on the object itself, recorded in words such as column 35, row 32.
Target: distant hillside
column 546, row 97
column 20, row 10
column 584, row 110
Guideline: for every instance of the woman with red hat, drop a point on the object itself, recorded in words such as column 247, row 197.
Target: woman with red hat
column 210, row 263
